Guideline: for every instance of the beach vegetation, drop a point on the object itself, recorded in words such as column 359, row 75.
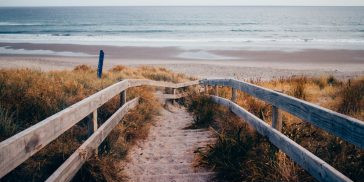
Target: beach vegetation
column 241, row 154
column 352, row 97
column 28, row 96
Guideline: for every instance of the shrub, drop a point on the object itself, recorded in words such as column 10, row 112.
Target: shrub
column 331, row 80
column 202, row 112
column 82, row 67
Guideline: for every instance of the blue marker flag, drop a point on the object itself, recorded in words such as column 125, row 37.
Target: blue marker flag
column 101, row 62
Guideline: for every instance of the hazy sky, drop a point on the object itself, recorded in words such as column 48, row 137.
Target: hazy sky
column 178, row 2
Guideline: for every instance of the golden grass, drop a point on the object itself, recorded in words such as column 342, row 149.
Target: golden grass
column 29, row 96
column 227, row 155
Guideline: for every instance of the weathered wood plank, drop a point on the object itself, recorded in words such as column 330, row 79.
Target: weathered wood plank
column 172, row 96
column 94, row 119
column 308, row 161
column 345, row 127
column 122, row 98
column 23, row 145
column 92, row 123
column 95, row 126
column 186, row 84
column 70, row 167
column 141, row 82
column 233, row 94
column 276, row 118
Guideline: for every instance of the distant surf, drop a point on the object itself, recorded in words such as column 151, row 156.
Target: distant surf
column 278, row 28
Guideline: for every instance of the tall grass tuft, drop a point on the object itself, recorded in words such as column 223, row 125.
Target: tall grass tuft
column 298, row 87
column 299, row 91
column 352, row 97
column 203, row 115
column 7, row 125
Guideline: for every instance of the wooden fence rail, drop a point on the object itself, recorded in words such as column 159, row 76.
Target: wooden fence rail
column 20, row 147
column 345, row 127
column 23, row 145
column 70, row 167
column 308, row 161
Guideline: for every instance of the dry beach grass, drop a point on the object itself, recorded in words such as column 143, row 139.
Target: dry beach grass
column 29, row 96
column 240, row 154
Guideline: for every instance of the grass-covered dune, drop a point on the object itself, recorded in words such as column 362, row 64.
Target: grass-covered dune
column 241, row 154
column 29, row 96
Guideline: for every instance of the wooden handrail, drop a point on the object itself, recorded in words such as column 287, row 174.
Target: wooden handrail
column 308, row 161
column 18, row 148
column 23, row 145
column 345, row 127
column 70, row 167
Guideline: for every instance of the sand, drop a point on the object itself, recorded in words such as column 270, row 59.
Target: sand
column 168, row 152
column 240, row 64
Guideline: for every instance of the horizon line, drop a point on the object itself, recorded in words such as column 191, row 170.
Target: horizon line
column 184, row 6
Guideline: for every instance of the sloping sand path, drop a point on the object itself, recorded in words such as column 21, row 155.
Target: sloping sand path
column 167, row 155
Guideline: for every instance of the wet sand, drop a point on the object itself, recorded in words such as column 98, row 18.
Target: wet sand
column 241, row 64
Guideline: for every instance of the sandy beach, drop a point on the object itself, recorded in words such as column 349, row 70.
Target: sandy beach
column 241, row 64
column 269, row 90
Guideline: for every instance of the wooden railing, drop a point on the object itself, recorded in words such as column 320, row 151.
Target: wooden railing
column 70, row 167
column 23, row 145
column 345, row 127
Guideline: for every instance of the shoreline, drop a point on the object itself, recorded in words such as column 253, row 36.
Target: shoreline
column 179, row 53
column 243, row 64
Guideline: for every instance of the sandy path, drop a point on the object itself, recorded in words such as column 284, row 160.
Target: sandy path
column 168, row 152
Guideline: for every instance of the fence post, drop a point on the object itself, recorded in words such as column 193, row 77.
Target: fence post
column 122, row 98
column 216, row 90
column 174, row 93
column 101, row 62
column 92, row 126
column 233, row 95
column 276, row 118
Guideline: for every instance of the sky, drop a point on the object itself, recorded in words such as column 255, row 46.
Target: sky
column 180, row 2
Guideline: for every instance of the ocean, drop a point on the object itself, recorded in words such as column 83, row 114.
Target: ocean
column 282, row 28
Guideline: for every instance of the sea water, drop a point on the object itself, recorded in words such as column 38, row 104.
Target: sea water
column 282, row 28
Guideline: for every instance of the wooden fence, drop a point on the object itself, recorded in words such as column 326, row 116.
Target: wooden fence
column 345, row 127
column 23, row 145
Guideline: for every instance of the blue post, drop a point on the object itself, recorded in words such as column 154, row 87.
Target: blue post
column 101, row 62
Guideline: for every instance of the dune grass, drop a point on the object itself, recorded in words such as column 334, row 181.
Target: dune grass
column 29, row 96
column 240, row 154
